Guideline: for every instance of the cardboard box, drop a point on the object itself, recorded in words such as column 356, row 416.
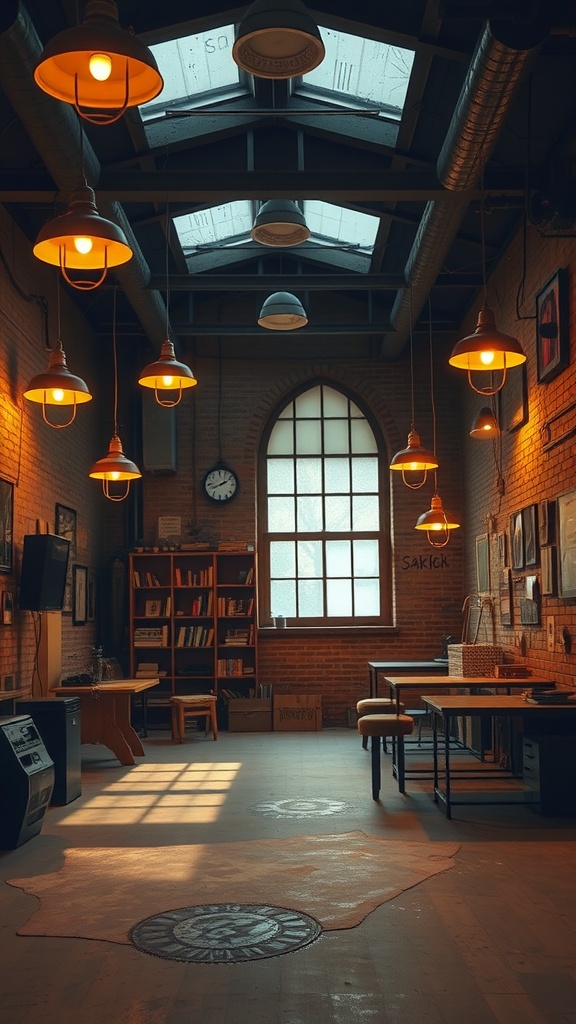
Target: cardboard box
column 473, row 659
column 250, row 715
column 297, row 712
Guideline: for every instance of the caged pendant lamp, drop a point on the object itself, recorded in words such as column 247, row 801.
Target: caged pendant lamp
column 414, row 458
column 115, row 467
column 167, row 376
column 282, row 311
column 278, row 39
column 57, row 387
column 99, row 67
column 280, row 223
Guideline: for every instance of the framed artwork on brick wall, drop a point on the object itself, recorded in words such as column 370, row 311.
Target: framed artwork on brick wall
column 517, row 541
column 552, row 342
column 6, row 525
column 530, row 531
column 567, row 544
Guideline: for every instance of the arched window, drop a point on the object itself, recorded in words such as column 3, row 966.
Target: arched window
column 323, row 536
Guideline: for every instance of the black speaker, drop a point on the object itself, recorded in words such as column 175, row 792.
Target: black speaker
column 43, row 577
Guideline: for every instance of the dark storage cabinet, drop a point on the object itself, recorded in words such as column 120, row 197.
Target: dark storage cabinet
column 550, row 774
column 26, row 781
column 58, row 722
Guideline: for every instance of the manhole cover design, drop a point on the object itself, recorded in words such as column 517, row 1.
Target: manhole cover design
column 224, row 933
column 302, row 808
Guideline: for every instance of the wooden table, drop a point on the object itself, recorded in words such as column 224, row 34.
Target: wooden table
column 445, row 707
column 435, row 684
column 391, row 667
column 105, row 714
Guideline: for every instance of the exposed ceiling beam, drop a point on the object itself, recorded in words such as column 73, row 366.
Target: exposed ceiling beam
column 303, row 282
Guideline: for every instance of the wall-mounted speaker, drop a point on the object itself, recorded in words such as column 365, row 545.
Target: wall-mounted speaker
column 43, row 577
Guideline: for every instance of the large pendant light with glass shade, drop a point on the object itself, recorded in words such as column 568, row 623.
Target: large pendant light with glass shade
column 99, row 67
column 487, row 349
column 167, row 376
column 414, row 458
column 115, row 467
column 280, row 223
column 282, row 311
column 57, row 387
column 278, row 39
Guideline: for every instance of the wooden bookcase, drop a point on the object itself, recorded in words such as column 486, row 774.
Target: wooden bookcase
column 193, row 622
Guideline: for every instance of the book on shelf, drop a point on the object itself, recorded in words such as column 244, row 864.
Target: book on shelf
column 151, row 636
column 233, row 667
column 192, row 578
column 145, row 579
column 195, row 636
column 230, row 606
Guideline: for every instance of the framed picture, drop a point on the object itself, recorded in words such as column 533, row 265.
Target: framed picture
column 505, row 595
column 552, row 346
column 517, row 540
column 513, row 399
column 547, row 522
column 567, row 544
column 529, row 529
column 91, row 598
column 6, row 525
column 7, row 608
column 503, row 550
column 530, row 602
column 483, row 564
column 80, row 594
column 153, row 609
column 549, row 574
column 65, row 526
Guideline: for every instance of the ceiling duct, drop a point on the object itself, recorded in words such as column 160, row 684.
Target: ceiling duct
column 502, row 56
column 53, row 128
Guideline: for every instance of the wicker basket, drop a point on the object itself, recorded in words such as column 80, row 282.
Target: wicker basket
column 473, row 659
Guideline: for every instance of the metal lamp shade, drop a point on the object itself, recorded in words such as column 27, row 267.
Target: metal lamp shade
column 437, row 518
column 55, row 241
column 278, row 39
column 282, row 311
column 485, row 425
column 414, row 457
column 167, row 373
column 57, row 386
column 487, row 348
column 115, row 466
column 64, row 67
column 280, row 223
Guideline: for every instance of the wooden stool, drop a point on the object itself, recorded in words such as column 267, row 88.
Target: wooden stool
column 378, row 706
column 199, row 705
column 378, row 726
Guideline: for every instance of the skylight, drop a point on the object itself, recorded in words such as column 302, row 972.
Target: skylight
column 331, row 224
column 362, row 71
column 196, row 69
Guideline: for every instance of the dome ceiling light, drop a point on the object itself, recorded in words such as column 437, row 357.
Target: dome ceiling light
column 278, row 39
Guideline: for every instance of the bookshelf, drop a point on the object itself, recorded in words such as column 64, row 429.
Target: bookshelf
column 193, row 622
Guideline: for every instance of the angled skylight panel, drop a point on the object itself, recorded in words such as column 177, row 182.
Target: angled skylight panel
column 330, row 224
column 362, row 71
column 196, row 70
column 228, row 224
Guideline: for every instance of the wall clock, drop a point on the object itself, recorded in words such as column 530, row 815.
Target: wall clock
column 221, row 483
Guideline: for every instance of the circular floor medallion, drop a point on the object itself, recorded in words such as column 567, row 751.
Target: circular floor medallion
column 224, row 933
column 302, row 808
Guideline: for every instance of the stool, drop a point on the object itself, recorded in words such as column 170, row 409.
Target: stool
column 378, row 726
column 377, row 706
column 199, row 705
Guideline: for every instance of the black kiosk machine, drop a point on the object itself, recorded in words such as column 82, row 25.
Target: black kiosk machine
column 26, row 781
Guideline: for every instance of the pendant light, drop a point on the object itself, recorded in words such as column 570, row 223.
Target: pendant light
column 280, row 223
column 278, row 39
column 282, row 312
column 487, row 348
column 115, row 467
column 485, row 426
column 167, row 376
column 414, row 458
column 437, row 522
column 99, row 67
column 57, row 386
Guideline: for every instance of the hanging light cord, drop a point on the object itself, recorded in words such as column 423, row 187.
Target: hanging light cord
column 219, row 399
column 166, row 266
column 115, row 358
column 432, row 399
column 411, row 365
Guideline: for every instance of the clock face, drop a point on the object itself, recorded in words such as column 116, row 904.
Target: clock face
column 220, row 484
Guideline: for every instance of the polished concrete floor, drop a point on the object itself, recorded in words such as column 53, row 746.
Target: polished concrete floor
column 491, row 940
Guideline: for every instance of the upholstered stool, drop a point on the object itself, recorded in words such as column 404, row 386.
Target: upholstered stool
column 381, row 726
column 199, row 705
column 378, row 706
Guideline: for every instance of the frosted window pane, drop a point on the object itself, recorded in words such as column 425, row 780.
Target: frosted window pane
column 365, row 475
column 335, row 403
column 288, row 412
column 364, row 69
column 282, row 558
column 281, row 515
column 355, row 412
column 337, row 476
column 339, row 597
column 309, row 511
column 365, row 512
column 281, row 439
column 308, row 404
column 362, row 437
column 366, row 597
column 310, row 599
column 365, row 557
column 193, row 65
column 329, row 222
column 337, row 513
column 221, row 224
column 280, row 476
column 283, row 598
column 336, row 437
column 338, row 558
column 310, row 559
column 308, row 476
column 308, row 437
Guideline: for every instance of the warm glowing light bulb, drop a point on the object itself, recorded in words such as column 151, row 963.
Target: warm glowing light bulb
column 413, row 465
column 115, row 475
column 487, row 358
column 168, row 381
column 437, row 526
column 487, row 426
column 57, row 395
column 100, row 65
column 83, row 245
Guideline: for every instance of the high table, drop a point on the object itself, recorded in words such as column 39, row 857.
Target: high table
column 105, row 714
column 445, row 707
column 376, row 668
